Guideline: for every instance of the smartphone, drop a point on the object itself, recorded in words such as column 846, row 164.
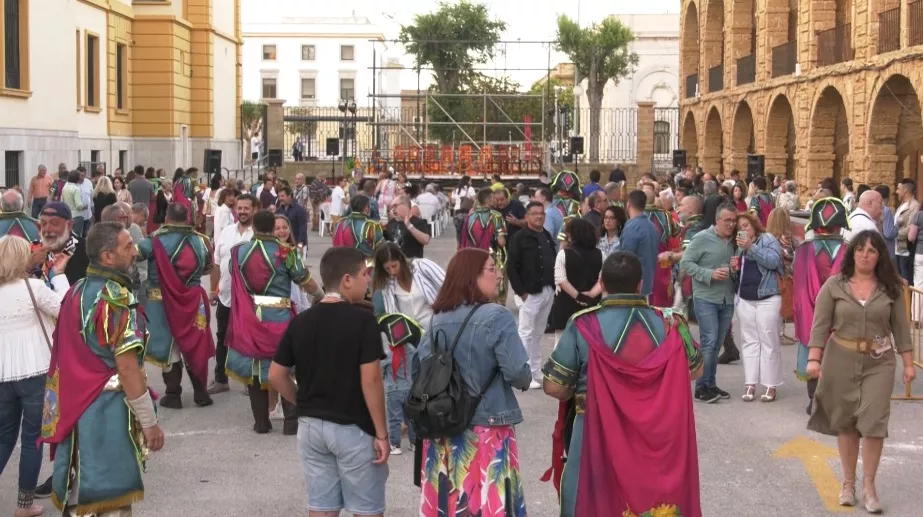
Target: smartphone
column 743, row 235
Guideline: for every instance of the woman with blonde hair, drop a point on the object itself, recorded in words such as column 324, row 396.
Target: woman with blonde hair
column 759, row 263
column 779, row 225
column 103, row 196
column 26, row 323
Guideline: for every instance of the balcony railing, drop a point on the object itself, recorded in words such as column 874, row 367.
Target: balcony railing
column 889, row 30
column 784, row 58
column 835, row 45
column 746, row 69
column 716, row 78
column 915, row 22
column 692, row 84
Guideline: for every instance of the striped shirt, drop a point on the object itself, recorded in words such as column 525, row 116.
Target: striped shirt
column 426, row 273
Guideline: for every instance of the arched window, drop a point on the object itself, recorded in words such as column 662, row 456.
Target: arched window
column 662, row 137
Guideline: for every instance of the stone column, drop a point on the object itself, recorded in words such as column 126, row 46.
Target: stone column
column 274, row 126
column 645, row 154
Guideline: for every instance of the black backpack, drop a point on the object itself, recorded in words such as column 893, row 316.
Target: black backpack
column 439, row 404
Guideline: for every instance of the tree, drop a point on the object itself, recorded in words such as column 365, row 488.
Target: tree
column 251, row 120
column 599, row 52
column 452, row 40
column 547, row 88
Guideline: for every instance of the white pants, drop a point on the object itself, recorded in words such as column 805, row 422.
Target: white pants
column 915, row 314
column 760, row 350
column 533, row 317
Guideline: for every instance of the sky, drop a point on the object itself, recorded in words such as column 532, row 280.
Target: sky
column 526, row 20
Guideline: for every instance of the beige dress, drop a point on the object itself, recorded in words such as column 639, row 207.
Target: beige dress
column 854, row 392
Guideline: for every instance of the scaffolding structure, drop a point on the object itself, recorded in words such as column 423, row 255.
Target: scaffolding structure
column 432, row 132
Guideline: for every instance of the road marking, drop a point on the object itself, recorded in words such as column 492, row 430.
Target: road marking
column 816, row 458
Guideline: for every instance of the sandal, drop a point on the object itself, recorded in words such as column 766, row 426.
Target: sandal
column 769, row 396
column 872, row 503
column 748, row 395
column 848, row 494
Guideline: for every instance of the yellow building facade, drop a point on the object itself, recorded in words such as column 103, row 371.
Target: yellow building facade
column 118, row 82
column 821, row 88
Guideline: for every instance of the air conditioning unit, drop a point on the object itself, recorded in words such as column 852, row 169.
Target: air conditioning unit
column 797, row 69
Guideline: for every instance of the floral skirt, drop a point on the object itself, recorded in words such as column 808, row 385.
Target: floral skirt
column 472, row 474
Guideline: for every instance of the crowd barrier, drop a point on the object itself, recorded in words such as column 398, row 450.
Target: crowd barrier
column 914, row 307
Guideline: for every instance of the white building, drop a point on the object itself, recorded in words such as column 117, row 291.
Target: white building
column 117, row 83
column 312, row 62
column 655, row 78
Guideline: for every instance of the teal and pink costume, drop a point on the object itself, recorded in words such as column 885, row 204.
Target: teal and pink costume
column 97, row 444
column 186, row 193
column 629, row 365
column 668, row 231
column 566, row 188
column 358, row 231
column 177, row 306
column 19, row 224
column 482, row 229
column 761, row 205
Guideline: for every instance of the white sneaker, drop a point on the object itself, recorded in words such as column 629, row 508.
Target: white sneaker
column 277, row 414
column 535, row 385
column 395, row 451
column 410, row 447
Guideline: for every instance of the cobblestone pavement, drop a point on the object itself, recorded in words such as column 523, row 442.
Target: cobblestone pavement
column 755, row 459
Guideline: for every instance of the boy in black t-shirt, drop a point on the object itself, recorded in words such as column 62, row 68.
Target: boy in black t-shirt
column 336, row 350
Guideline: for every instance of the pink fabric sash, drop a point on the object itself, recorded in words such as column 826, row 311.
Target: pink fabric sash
column 181, row 197
column 182, row 306
column 807, row 282
column 639, row 445
column 246, row 333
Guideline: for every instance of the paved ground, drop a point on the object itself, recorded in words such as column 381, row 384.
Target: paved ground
column 755, row 459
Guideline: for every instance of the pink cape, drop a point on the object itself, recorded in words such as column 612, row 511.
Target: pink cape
column 807, row 281
column 182, row 306
column 482, row 241
column 248, row 335
column 181, row 197
column 639, row 445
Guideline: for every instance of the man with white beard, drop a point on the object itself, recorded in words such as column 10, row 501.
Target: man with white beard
column 58, row 236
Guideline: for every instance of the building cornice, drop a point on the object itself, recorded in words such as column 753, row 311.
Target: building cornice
column 315, row 35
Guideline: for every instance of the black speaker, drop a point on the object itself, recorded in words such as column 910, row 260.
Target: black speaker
column 576, row 145
column 333, row 147
column 274, row 158
column 212, row 161
column 348, row 133
column 756, row 164
column 679, row 158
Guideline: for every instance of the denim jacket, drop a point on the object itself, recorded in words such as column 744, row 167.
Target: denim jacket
column 490, row 341
column 767, row 253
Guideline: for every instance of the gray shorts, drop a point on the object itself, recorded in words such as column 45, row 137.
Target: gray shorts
column 338, row 470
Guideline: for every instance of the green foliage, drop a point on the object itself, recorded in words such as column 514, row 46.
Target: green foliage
column 600, row 52
column 452, row 40
column 251, row 117
column 565, row 98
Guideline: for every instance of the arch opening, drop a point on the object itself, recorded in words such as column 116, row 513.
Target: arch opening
column 895, row 133
column 713, row 151
column 690, row 51
column 829, row 138
column 690, row 140
column 713, row 45
column 781, row 139
column 743, row 138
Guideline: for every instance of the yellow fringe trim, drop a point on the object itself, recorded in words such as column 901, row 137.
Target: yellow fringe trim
column 108, row 505
column 155, row 362
column 248, row 382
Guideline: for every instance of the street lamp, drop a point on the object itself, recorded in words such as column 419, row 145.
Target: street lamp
column 578, row 92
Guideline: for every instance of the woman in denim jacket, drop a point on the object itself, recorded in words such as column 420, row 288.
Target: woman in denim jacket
column 759, row 306
column 476, row 472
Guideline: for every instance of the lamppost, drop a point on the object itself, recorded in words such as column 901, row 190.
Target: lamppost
column 578, row 92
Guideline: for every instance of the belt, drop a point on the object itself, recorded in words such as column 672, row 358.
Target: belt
column 154, row 294
column 114, row 384
column 276, row 302
column 580, row 403
column 862, row 346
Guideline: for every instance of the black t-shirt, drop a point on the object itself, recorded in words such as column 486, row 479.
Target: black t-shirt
column 326, row 345
column 400, row 235
column 517, row 210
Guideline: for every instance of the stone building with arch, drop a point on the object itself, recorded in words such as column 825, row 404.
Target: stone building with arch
column 819, row 87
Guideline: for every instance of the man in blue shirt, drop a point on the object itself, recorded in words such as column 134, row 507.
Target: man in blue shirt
column 593, row 185
column 554, row 221
column 640, row 237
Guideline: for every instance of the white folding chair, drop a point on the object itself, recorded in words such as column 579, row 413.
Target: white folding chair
column 325, row 219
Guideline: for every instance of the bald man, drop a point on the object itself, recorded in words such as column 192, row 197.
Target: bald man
column 13, row 221
column 867, row 214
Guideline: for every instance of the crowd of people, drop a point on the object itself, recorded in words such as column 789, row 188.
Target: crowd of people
column 111, row 272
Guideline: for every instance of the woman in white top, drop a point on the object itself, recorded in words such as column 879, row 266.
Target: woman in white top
column 463, row 190
column 25, row 331
column 614, row 219
column 405, row 286
column 224, row 213
column 211, row 203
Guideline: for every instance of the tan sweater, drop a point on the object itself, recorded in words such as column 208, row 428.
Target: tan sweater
column 837, row 311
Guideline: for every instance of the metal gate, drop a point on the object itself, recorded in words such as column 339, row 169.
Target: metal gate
column 666, row 139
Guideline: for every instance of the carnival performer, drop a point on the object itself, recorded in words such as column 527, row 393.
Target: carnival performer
column 358, row 231
column 668, row 231
column 262, row 271
column 566, row 188
column 186, row 192
column 816, row 260
column 99, row 413
column 484, row 228
column 762, row 202
column 622, row 371
column 15, row 222
column 177, row 307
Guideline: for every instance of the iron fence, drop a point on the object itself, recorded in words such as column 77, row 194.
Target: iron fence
column 746, row 70
column 915, row 22
column 889, row 30
column 835, row 45
column 666, row 138
column 784, row 57
column 716, row 78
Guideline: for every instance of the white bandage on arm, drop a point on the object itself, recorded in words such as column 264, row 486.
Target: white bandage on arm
column 143, row 407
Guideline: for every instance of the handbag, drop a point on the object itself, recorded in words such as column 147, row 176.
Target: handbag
column 786, row 290
column 38, row 314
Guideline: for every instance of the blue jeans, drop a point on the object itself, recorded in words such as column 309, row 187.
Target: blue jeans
column 905, row 267
column 37, row 205
column 396, row 401
column 714, row 322
column 22, row 400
